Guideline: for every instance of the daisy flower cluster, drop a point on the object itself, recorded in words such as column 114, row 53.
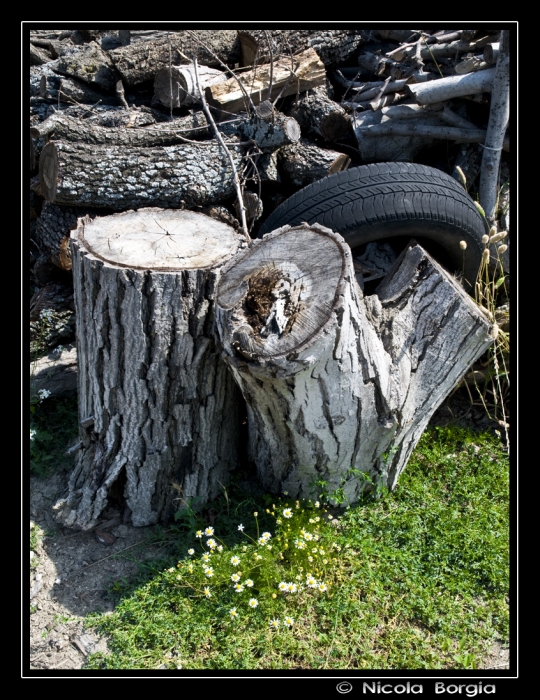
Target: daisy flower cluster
column 256, row 581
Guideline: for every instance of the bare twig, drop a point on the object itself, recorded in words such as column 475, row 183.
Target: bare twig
column 250, row 103
column 219, row 137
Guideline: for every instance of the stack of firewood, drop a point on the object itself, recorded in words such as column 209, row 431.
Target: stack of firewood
column 118, row 120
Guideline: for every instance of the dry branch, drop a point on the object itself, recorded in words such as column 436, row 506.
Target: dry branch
column 453, row 86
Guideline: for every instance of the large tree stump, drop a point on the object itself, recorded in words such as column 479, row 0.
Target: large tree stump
column 158, row 407
column 334, row 381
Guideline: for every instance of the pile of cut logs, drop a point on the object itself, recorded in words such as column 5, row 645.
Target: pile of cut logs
column 165, row 127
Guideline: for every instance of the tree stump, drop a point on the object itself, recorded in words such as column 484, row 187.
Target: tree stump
column 158, row 407
column 339, row 387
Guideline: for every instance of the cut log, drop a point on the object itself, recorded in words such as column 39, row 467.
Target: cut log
column 158, row 408
column 305, row 162
column 60, row 126
column 121, row 177
column 309, row 72
column 140, row 62
column 53, row 229
column 340, row 387
column 90, row 65
column 428, row 128
column 176, row 86
column 333, row 46
column 59, row 89
column 319, row 116
column 453, row 86
column 269, row 135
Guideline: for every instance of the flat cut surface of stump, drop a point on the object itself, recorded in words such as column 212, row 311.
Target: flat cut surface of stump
column 157, row 239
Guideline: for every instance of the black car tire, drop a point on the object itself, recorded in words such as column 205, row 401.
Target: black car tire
column 386, row 200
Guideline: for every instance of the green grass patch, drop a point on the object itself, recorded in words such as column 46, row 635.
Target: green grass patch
column 415, row 579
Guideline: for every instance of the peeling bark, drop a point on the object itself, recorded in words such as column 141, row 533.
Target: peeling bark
column 340, row 387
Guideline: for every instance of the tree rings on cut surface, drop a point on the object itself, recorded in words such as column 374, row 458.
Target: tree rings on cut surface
column 159, row 239
column 280, row 294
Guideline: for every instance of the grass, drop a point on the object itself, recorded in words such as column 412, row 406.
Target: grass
column 416, row 579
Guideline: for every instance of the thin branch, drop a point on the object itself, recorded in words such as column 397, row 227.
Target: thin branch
column 219, row 137
column 224, row 65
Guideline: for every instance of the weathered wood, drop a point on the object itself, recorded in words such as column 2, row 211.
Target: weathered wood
column 452, row 86
column 468, row 160
column 39, row 56
column 309, row 72
column 140, row 62
column 158, row 409
column 175, row 86
column 53, row 229
column 60, row 126
column 491, row 52
column 305, row 162
column 91, row 65
column 499, row 113
column 376, row 147
column 333, row 46
column 319, row 116
column 412, row 111
column 121, row 177
column 340, row 387
column 271, row 134
column 71, row 91
column 428, row 128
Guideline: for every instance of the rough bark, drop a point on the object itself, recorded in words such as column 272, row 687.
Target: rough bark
column 499, row 113
column 158, row 408
column 58, row 89
column 176, row 86
column 123, row 177
column 305, row 162
column 340, row 387
column 91, row 65
column 53, row 229
column 60, row 126
column 140, row 61
column 271, row 134
column 468, row 160
column 319, row 116
column 309, row 72
column 452, row 86
column 332, row 45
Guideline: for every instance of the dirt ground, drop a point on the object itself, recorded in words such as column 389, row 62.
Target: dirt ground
column 75, row 570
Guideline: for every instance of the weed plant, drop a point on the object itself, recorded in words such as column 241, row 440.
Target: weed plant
column 414, row 579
